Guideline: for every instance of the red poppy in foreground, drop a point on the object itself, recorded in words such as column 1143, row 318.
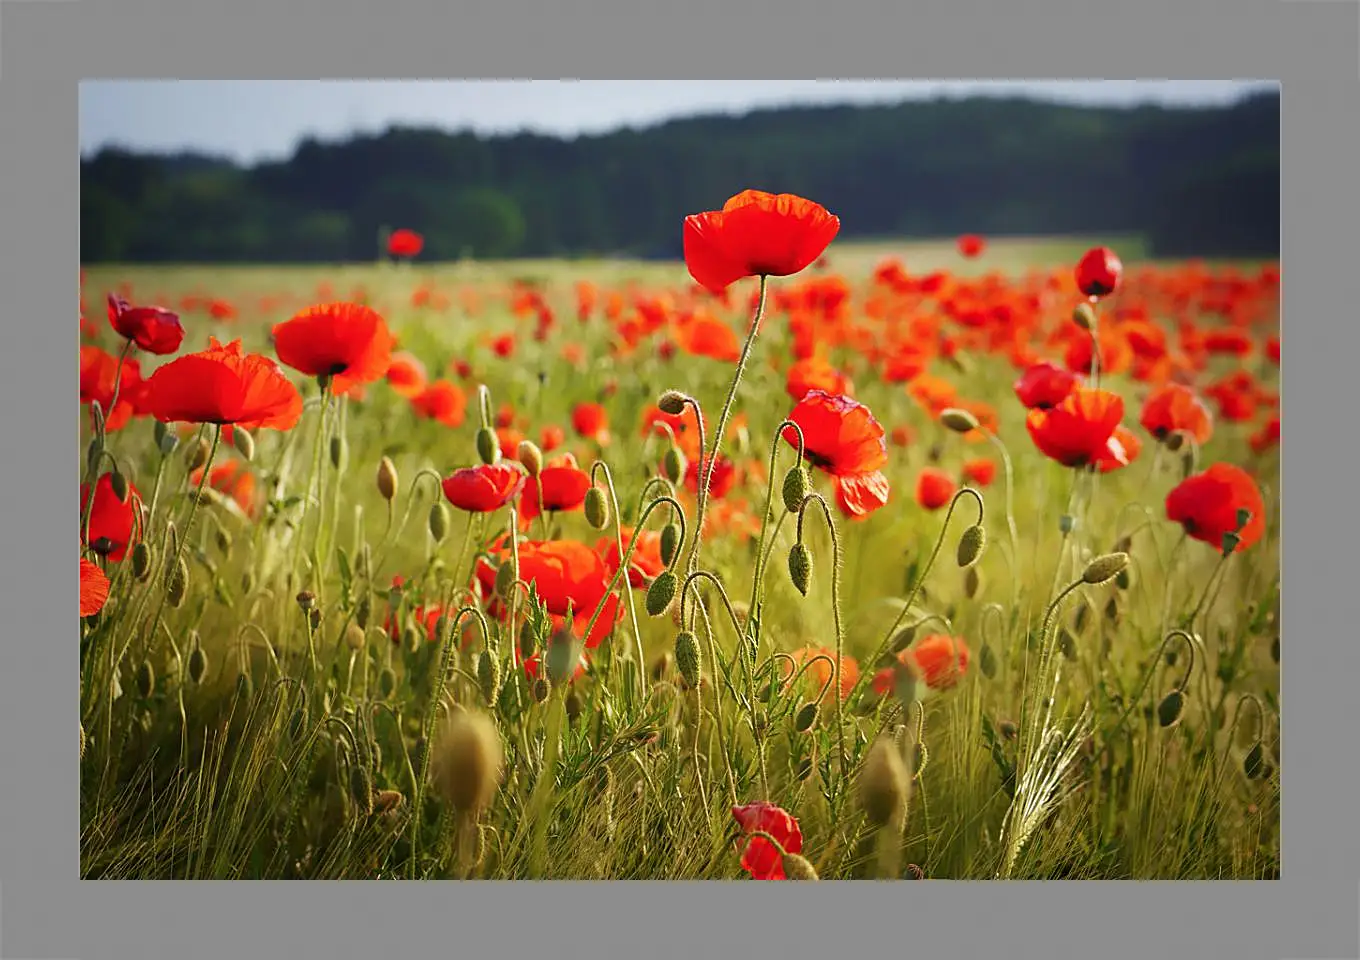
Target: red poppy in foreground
column 644, row 565
column 98, row 373
column 345, row 341
column 761, row 859
column 1122, row 450
column 94, row 588
column 484, row 488
column 1079, row 430
column 113, row 523
column 222, row 385
column 1045, row 385
column 153, row 329
column 567, row 576
column 561, row 485
column 842, row 438
column 937, row 660
column 1098, row 272
column 1175, row 409
column 756, row 234
column 1214, row 503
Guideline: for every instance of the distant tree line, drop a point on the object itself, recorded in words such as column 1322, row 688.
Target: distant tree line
column 1194, row 182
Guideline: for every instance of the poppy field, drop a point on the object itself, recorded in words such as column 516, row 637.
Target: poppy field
column 799, row 559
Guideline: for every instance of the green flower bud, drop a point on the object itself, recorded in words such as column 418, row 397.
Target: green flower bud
column 661, row 593
column 806, row 717
column 800, row 567
column 439, row 521
column 244, row 443
column 688, row 658
column 198, row 665
column 596, row 509
column 488, row 448
column 387, row 479
column 797, row 486
column 141, row 560
column 971, row 545
column 1105, row 567
column 1170, row 709
column 670, row 543
column 672, row 403
column 960, row 421
column 673, row 465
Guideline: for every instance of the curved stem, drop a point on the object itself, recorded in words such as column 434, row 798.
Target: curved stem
column 603, row 467
column 761, row 558
column 1152, row 669
column 836, row 616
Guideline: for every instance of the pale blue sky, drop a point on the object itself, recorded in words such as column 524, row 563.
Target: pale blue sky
column 252, row 120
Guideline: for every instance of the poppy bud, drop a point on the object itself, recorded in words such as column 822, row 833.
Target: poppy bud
column 673, row 465
column 489, row 675
column 198, row 665
column 243, row 442
column 387, row 479
column 1254, row 763
column 487, row 446
column 387, row 681
column 197, row 455
column 596, row 509
column 1105, row 568
column 505, row 579
column 1084, row 316
column 354, row 637
column 670, row 543
column 314, row 616
column 528, row 640
column 688, row 658
column 796, row 488
column 573, row 705
column 884, row 786
column 562, row 657
column 661, row 593
column 904, row 638
column 1170, row 709
column 987, row 661
column 166, row 439
column 1174, row 441
column 960, row 421
column 361, row 790
column 306, row 600
column 439, row 521
column 530, row 457
column 800, row 567
column 972, row 583
column 177, row 583
column 119, row 485
column 540, row 690
column 971, row 544
column 798, row 867
column 145, row 680
column 338, row 450
column 805, row 718
column 672, row 403
column 141, row 560
column 363, row 609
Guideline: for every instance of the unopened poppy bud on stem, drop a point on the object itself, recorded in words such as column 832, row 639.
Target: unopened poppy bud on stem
column 338, row 451
column 243, row 442
column 672, row 403
column 800, row 567
column 487, row 447
column 688, row 658
column 439, row 521
column 884, row 784
column 673, row 464
column 1084, row 316
column 387, row 479
column 177, row 583
column 670, row 543
column 960, row 421
column 198, row 665
column 661, row 593
column 141, row 560
column 562, row 657
column 197, row 455
column 971, row 544
column 805, row 718
column 530, row 457
column 797, row 485
column 1105, row 568
column 119, row 485
column 1170, row 709
column 596, row 508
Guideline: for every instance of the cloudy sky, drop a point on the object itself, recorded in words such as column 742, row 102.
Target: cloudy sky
column 254, row 120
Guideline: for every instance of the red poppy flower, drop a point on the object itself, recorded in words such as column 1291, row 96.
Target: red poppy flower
column 644, row 565
column 565, row 574
column 551, row 437
column 405, row 243
column 564, row 487
column 535, row 663
column 443, row 401
column 937, row 660
column 98, row 372
column 704, row 335
column 591, row 421
column 406, row 375
column 756, row 234
column 223, row 386
column 113, row 523
column 1045, row 385
column 94, row 588
column 820, row 672
column 722, row 481
column 860, row 494
column 154, row 329
column 815, row 374
column 934, row 488
column 346, row 341
column 1098, row 272
column 980, row 471
column 1175, row 409
column 485, row 487
column 761, row 859
column 1078, row 430
column 234, row 480
column 840, row 435
column 1122, row 450
column 971, row 245
column 1208, row 504
column 1268, row 436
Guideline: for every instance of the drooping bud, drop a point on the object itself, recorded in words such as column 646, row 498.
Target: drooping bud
column 1084, row 316
column 798, row 867
column 800, row 567
column 661, row 593
column 177, row 583
column 884, row 784
column 243, row 442
column 960, row 421
column 387, row 479
column 987, row 661
column 197, row 455
column 119, row 485
column 141, row 560
column 540, row 689
column 489, row 676
column 673, row 464
column 487, row 446
column 1170, row 709
column 505, row 578
column 805, row 718
column 562, row 656
column 387, row 681
column 672, row 403
column 972, row 542
column 670, row 543
column 688, row 658
column 797, row 485
column 145, row 679
column 439, row 521
column 198, row 664
column 530, row 457
column 596, row 508
column 339, row 452
column 904, row 638
column 1104, row 568
column 466, row 766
